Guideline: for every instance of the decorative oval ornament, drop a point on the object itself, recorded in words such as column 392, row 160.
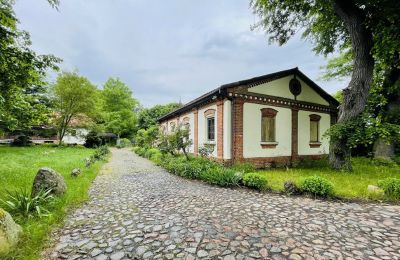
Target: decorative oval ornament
column 295, row 87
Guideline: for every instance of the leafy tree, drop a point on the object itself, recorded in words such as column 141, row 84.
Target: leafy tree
column 23, row 101
column 365, row 25
column 147, row 117
column 74, row 97
column 147, row 138
column 118, row 108
column 177, row 141
column 380, row 123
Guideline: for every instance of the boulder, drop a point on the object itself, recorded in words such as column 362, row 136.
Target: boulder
column 76, row 172
column 46, row 179
column 10, row 232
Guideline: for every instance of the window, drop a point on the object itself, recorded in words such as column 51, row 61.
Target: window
column 210, row 128
column 268, row 126
column 186, row 124
column 172, row 126
column 314, row 128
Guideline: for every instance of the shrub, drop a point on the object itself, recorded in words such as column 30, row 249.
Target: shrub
column 290, row 188
column 92, row 140
column 24, row 204
column 255, row 181
column 391, row 187
column 384, row 162
column 22, row 140
column 317, row 186
column 243, row 167
column 206, row 150
column 101, row 153
column 150, row 152
column 221, row 176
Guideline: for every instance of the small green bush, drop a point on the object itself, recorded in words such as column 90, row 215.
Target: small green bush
column 290, row 188
column 243, row 167
column 384, row 162
column 124, row 142
column 317, row 186
column 221, row 176
column 391, row 187
column 22, row 203
column 150, row 152
column 255, row 181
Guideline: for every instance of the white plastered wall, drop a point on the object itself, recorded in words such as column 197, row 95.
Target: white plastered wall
column 227, row 129
column 191, row 129
column 252, row 132
column 202, row 129
column 304, row 133
column 280, row 88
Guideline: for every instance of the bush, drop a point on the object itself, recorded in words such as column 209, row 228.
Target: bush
column 255, row 181
column 22, row 140
column 221, row 176
column 290, row 188
column 22, row 203
column 100, row 153
column 317, row 186
column 206, row 150
column 93, row 140
column 391, row 187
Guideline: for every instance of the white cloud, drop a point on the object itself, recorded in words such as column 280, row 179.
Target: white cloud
column 164, row 50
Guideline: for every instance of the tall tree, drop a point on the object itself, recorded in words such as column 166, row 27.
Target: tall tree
column 148, row 116
column 380, row 123
column 22, row 72
column 119, row 108
column 74, row 96
column 332, row 24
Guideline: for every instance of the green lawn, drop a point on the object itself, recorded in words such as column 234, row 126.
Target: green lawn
column 346, row 185
column 18, row 167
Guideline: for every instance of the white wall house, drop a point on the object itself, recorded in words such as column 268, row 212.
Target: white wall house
column 276, row 118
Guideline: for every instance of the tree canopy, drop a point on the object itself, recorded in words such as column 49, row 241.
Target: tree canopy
column 118, row 108
column 147, row 117
column 369, row 27
column 23, row 88
column 74, row 97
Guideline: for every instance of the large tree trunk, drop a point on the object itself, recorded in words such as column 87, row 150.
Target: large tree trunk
column 356, row 94
column 391, row 90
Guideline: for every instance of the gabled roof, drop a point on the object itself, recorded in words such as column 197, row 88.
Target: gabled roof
column 222, row 90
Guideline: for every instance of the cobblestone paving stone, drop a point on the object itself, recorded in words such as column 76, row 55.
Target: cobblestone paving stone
column 137, row 210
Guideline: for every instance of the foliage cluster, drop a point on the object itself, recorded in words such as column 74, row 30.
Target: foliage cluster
column 317, row 186
column 256, row 181
column 23, row 203
column 391, row 187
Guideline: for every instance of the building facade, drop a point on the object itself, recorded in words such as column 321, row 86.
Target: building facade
column 276, row 118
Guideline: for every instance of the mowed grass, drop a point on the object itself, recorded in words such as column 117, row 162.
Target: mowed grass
column 18, row 167
column 348, row 185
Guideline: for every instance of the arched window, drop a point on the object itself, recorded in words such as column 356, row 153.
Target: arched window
column 186, row 123
column 268, row 125
column 210, row 124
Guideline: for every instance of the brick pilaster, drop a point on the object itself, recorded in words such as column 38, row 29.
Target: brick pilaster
column 196, row 131
column 295, row 133
column 237, row 133
column 220, row 129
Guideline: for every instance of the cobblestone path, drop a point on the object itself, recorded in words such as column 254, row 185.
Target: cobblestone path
column 137, row 210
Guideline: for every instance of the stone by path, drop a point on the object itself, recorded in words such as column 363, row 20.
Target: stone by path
column 137, row 210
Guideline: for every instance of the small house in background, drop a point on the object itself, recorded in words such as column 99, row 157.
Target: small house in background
column 276, row 118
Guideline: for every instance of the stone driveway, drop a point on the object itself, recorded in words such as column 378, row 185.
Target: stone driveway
column 137, row 210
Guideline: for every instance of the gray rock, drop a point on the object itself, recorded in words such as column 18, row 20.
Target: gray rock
column 46, row 179
column 10, row 232
column 76, row 172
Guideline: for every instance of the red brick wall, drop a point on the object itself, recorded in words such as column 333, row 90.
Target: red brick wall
column 237, row 132
column 295, row 133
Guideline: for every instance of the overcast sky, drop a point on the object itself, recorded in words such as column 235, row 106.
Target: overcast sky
column 164, row 50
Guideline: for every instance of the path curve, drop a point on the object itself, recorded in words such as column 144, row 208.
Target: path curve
column 138, row 210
